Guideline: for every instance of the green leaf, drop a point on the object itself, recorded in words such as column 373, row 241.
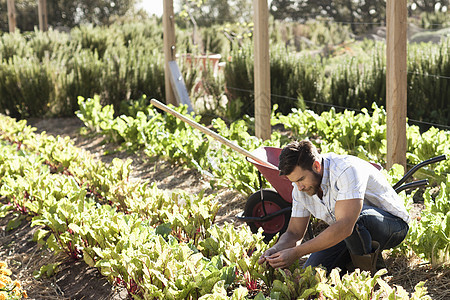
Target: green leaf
column 164, row 230
column 88, row 259
column 14, row 223
column 228, row 274
column 275, row 295
column 4, row 210
column 207, row 284
column 308, row 292
column 282, row 288
column 40, row 235
column 46, row 271
column 241, row 292
column 75, row 228
column 219, row 289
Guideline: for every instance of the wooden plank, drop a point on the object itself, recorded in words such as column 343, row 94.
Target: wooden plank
column 211, row 133
column 169, row 48
column 262, row 69
column 396, row 81
column 179, row 87
column 42, row 11
column 11, row 15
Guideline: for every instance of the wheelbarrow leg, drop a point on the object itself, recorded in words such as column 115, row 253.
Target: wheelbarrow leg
column 261, row 191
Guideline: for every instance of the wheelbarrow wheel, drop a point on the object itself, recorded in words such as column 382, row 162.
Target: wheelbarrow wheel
column 273, row 202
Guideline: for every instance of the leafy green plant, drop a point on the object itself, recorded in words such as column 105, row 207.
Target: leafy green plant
column 46, row 271
column 166, row 245
column 430, row 234
column 434, row 20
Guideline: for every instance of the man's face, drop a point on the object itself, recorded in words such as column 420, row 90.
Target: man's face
column 306, row 181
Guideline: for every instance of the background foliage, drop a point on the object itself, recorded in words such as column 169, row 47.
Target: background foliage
column 69, row 13
column 314, row 63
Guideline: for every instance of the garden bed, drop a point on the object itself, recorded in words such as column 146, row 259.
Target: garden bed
column 76, row 280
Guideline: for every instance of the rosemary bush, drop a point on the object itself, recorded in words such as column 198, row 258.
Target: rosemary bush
column 45, row 72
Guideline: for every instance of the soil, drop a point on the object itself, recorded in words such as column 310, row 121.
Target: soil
column 75, row 280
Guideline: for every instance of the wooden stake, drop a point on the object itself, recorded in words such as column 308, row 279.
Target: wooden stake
column 262, row 69
column 11, row 15
column 169, row 48
column 396, row 81
column 42, row 11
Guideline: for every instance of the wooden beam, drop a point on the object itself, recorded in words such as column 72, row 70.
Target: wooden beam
column 262, row 69
column 42, row 11
column 214, row 135
column 11, row 15
column 396, row 81
column 169, row 48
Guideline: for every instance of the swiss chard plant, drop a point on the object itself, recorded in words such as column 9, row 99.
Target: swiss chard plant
column 166, row 245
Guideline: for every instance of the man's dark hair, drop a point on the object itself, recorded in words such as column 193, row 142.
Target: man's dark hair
column 297, row 153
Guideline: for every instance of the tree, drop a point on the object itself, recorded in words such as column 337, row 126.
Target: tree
column 362, row 14
column 26, row 14
column 283, row 9
column 359, row 14
column 209, row 12
column 98, row 12
column 67, row 12
column 431, row 5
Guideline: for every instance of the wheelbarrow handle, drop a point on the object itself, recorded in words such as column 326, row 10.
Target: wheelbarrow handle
column 212, row 134
column 412, row 185
column 417, row 167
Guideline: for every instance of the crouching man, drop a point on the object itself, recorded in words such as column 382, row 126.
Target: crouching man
column 364, row 213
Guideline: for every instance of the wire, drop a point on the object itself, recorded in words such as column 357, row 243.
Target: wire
column 428, row 123
column 250, row 20
column 429, row 75
column 441, row 25
column 319, row 103
column 307, row 101
column 292, row 98
column 240, row 90
column 357, row 23
column 337, row 106
column 225, row 21
column 342, row 107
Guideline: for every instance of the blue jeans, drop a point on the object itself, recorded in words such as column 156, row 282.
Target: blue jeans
column 373, row 224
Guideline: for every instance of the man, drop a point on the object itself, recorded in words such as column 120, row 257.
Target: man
column 364, row 213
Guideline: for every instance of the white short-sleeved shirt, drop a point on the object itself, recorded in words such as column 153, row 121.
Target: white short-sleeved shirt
column 348, row 177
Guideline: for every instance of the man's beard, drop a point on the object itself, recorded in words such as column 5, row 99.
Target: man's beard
column 314, row 188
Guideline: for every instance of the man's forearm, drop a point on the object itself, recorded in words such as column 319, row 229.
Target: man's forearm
column 287, row 240
column 347, row 212
column 331, row 236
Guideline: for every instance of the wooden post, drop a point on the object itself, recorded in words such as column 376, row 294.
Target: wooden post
column 396, row 81
column 169, row 48
column 11, row 15
column 262, row 69
column 42, row 11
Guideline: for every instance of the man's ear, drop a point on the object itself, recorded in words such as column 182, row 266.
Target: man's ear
column 317, row 166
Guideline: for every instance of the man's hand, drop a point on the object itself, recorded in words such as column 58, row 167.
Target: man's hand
column 284, row 258
column 293, row 235
column 266, row 254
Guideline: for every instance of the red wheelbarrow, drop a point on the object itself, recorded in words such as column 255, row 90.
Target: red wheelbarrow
column 271, row 208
